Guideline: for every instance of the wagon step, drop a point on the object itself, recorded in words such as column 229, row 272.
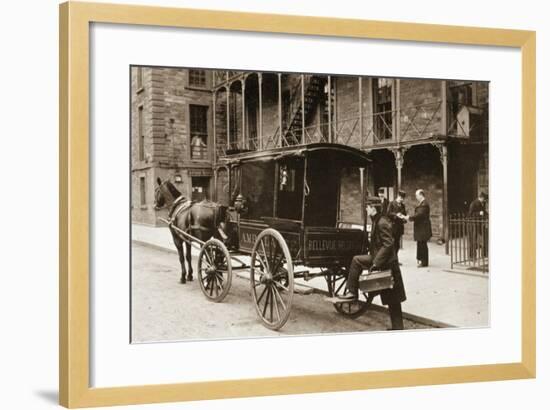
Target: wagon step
column 337, row 300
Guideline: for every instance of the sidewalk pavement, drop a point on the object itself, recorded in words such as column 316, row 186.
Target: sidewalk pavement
column 435, row 295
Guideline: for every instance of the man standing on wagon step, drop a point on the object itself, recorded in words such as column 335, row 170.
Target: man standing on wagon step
column 381, row 256
column 422, row 228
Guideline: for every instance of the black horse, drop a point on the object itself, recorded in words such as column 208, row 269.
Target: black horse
column 202, row 220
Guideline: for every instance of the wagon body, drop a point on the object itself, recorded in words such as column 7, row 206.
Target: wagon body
column 297, row 191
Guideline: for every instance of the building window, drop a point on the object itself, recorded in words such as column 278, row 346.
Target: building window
column 459, row 95
column 197, row 78
column 139, row 79
column 141, row 134
column 382, row 107
column 198, row 126
column 142, row 192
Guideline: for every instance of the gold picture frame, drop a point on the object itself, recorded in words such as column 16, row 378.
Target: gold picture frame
column 75, row 19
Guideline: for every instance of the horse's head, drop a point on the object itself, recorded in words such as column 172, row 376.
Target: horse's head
column 165, row 194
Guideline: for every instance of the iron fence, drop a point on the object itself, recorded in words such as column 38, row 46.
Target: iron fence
column 469, row 242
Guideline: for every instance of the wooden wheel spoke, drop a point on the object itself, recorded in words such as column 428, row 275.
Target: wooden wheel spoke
column 215, row 286
column 261, row 296
column 267, row 268
column 266, row 301
column 276, row 304
column 208, row 282
column 281, row 286
column 219, row 280
column 208, row 257
column 277, row 294
column 211, row 281
column 280, row 275
column 277, row 264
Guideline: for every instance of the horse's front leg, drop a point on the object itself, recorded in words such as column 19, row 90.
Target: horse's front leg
column 189, row 264
column 179, row 246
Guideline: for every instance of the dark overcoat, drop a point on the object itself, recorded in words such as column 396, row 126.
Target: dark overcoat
column 395, row 208
column 383, row 253
column 476, row 209
column 384, row 206
column 422, row 224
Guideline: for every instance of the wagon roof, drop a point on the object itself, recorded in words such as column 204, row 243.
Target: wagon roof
column 356, row 157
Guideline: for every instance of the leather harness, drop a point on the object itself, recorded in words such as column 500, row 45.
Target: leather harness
column 181, row 204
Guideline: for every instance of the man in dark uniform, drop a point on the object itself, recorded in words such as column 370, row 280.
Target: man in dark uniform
column 478, row 207
column 478, row 210
column 422, row 228
column 396, row 209
column 381, row 256
column 385, row 202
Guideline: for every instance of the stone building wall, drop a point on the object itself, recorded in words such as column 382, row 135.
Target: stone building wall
column 165, row 96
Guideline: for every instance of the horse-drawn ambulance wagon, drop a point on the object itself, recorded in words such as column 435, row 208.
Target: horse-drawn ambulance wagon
column 285, row 223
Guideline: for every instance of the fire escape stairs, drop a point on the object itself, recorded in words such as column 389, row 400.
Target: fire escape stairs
column 313, row 92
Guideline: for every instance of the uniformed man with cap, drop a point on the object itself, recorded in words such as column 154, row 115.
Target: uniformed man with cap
column 381, row 256
column 395, row 209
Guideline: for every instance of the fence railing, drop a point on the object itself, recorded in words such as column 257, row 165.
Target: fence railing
column 469, row 242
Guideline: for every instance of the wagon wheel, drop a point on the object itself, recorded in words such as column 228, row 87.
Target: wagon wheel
column 337, row 286
column 214, row 270
column 272, row 278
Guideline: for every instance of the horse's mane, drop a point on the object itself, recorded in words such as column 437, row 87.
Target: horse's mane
column 173, row 190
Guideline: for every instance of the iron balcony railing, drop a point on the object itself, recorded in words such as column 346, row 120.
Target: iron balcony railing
column 220, row 77
column 408, row 124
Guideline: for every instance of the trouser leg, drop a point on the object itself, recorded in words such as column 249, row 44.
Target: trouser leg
column 396, row 316
column 422, row 252
column 358, row 264
column 396, row 243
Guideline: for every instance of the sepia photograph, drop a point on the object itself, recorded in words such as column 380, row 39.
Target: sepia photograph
column 273, row 204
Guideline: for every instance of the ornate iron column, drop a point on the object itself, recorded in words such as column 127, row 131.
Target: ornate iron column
column 243, row 89
column 360, row 85
column 279, row 143
column 303, row 110
column 260, row 135
column 215, row 137
column 228, row 120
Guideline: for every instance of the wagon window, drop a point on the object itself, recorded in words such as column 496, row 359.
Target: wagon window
column 290, row 188
column 350, row 212
column 322, row 199
column 287, row 179
column 257, row 183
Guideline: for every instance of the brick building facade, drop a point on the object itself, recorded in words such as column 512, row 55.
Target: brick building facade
column 420, row 133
